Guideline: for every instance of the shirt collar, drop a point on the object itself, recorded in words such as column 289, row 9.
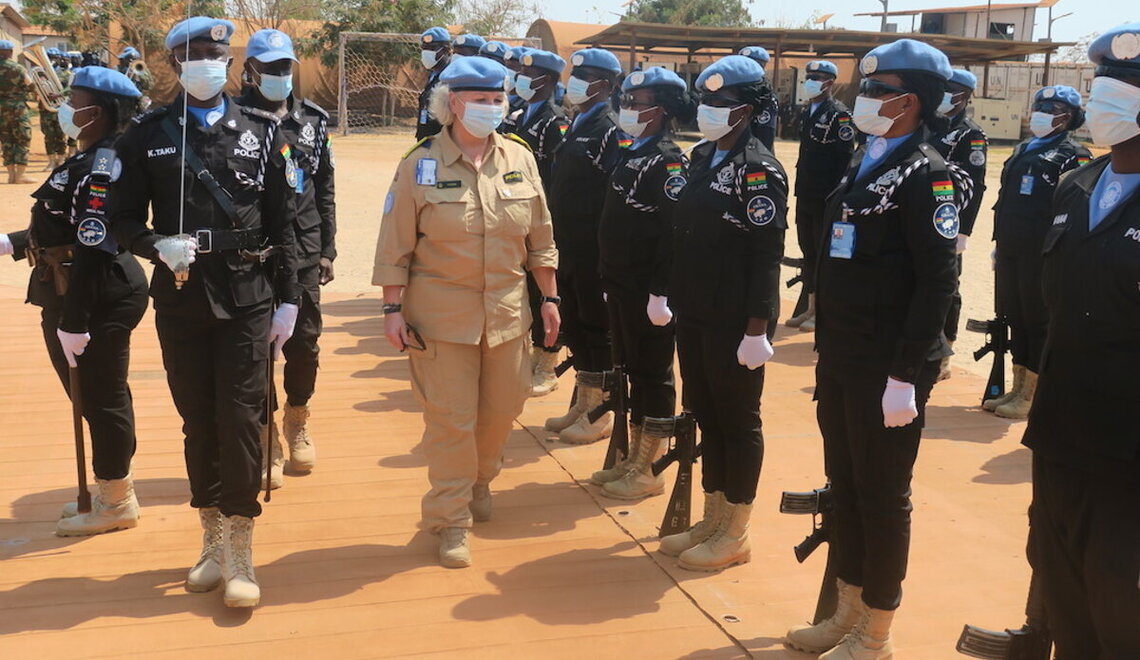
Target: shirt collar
column 450, row 152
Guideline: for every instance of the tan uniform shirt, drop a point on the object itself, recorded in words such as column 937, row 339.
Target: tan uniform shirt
column 463, row 240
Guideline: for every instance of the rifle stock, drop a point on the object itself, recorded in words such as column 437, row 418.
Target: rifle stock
column 684, row 453
column 83, row 499
column 616, row 385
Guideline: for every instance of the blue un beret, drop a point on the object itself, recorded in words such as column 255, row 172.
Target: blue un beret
column 474, row 74
column 906, row 55
column 823, row 66
column 7, row 45
column 103, row 80
column 1119, row 46
column 597, row 58
column 964, row 78
column 270, row 46
column 470, row 41
column 730, row 71
column 758, row 53
column 129, row 51
column 495, row 50
column 217, row 30
column 516, row 53
column 543, row 59
column 1062, row 93
column 54, row 52
column 435, row 35
column 653, row 77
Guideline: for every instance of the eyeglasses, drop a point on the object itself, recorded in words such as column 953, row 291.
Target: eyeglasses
column 416, row 340
column 875, row 88
column 822, row 77
column 1052, row 107
column 628, row 101
column 718, row 101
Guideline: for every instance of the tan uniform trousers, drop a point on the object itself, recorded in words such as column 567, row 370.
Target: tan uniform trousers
column 471, row 396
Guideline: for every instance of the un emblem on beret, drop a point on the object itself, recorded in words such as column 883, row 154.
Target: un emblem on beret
column 814, row 66
column 460, row 40
column 428, row 38
column 714, row 82
column 528, row 60
column 746, row 52
column 218, row 32
column 637, row 78
column 869, row 65
column 276, row 40
column 1048, row 93
column 577, row 60
column 1126, row 46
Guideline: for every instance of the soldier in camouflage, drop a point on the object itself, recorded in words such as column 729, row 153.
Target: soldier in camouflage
column 132, row 64
column 15, row 121
column 55, row 142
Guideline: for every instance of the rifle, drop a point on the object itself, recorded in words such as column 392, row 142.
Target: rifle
column 818, row 504
column 997, row 342
column 684, row 452
column 802, row 302
column 270, row 429
column 76, row 392
column 1032, row 641
column 616, row 385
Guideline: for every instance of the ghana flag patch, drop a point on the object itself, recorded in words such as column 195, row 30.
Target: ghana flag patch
column 625, row 143
column 943, row 190
column 977, row 144
column 756, row 179
column 287, row 152
column 673, row 168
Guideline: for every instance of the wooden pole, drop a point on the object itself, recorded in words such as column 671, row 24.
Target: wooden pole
column 342, row 96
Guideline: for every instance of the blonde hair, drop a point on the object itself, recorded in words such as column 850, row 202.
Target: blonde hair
column 439, row 106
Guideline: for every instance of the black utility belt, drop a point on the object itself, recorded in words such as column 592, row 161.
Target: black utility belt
column 226, row 240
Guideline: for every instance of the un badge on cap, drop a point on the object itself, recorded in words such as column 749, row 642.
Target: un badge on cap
column 714, row 82
column 276, row 40
column 1126, row 46
column 869, row 65
column 1048, row 92
column 218, row 32
column 577, row 60
column 428, row 38
column 637, row 78
column 527, row 60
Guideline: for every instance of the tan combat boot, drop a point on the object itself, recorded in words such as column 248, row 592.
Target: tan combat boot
column 728, row 545
column 543, row 379
column 674, row 544
column 639, row 481
column 1013, row 393
column 454, row 551
column 277, row 456
column 115, row 507
column 826, row 634
column 583, row 431
column 207, row 573
column 944, row 372
column 808, row 313
column 1019, row 408
column 582, row 381
column 602, row 477
column 480, row 505
column 242, row 589
column 302, row 454
column 870, row 639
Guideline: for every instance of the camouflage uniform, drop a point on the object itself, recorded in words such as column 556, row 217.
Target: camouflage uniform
column 15, row 121
column 55, row 142
column 64, row 76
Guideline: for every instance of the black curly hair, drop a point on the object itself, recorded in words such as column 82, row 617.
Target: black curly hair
column 928, row 89
column 679, row 104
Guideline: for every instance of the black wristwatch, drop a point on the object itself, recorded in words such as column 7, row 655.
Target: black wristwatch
column 557, row 300
column 392, row 308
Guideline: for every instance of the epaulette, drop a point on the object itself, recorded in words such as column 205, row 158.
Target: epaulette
column 315, row 108
column 262, row 114
column 425, row 143
column 512, row 136
column 151, row 115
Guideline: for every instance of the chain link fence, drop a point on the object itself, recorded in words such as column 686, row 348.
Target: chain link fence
column 381, row 78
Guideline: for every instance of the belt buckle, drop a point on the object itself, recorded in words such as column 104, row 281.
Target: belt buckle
column 205, row 239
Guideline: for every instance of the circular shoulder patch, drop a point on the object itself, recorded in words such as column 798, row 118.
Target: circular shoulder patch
column 946, row 220
column 846, row 133
column 91, row 232
column 977, row 158
column 290, row 173
column 765, row 117
column 116, row 170
column 714, row 82
column 869, row 65
column 673, row 186
column 761, row 210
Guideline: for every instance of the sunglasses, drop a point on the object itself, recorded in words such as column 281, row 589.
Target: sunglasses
column 874, row 88
column 628, row 101
column 822, row 77
column 415, row 339
column 1052, row 107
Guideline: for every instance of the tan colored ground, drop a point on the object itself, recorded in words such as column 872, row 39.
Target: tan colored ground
column 560, row 572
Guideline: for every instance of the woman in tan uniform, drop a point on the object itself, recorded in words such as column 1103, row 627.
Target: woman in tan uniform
column 464, row 221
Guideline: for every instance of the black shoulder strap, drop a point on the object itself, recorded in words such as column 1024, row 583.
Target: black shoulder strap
column 938, row 165
column 202, row 174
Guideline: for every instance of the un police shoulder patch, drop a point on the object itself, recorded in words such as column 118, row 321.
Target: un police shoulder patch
column 977, row 158
column 91, row 232
column 946, row 220
column 761, row 210
column 846, row 133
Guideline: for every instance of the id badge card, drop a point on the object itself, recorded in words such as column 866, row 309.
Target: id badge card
column 423, row 116
column 300, row 187
column 425, row 171
column 842, row 240
column 1026, row 184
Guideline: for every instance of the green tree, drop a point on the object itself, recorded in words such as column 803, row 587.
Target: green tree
column 718, row 13
column 144, row 22
column 500, row 18
column 399, row 16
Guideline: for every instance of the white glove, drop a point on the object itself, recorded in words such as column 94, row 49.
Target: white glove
column 5, row 245
column 73, row 343
column 658, row 310
column 177, row 252
column 899, row 407
column 754, row 351
column 962, row 241
column 284, row 320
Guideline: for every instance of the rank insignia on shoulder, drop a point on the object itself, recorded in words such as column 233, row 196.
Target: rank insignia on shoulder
column 946, row 220
column 943, row 190
column 756, row 180
column 513, row 177
column 449, row 184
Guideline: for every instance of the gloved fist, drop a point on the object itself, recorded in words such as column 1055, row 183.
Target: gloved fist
column 325, row 271
column 754, row 351
column 284, row 320
column 899, row 407
column 177, row 252
column 73, row 343
column 962, row 241
column 658, row 310
column 5, row 245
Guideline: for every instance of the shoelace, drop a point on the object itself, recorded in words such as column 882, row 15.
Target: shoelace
column 212, row 542
column 240, row 537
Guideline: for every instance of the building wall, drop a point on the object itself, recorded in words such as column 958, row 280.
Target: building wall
column 1019, row 81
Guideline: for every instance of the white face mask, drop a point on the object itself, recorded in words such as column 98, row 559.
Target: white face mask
column 66, row 117
column 713, row 121
column 1041, row 124
column 509, row 86
column 276, row 88
column 429, row 58
column 813, row 88
column 947, row 103
column 481, row 119
column 578, row 91
column 1112, row 111
column 203, row 79
column 866, row 115
column 526, row 88
column 629, row 121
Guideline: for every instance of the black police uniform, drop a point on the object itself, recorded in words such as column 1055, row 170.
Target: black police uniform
column 515, row 108
column 827, row 138
column 582, row 166
column 880, row 306
column 636, row 241
column 105, row 296
column 728, row 234
column 1083, row 429
column 1022, row 216
column 764, row 123
column 305, row 129
column 965, row 145
column 426, row 125
column 214, row 331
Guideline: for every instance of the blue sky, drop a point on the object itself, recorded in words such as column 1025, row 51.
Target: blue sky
column 1087, row 16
